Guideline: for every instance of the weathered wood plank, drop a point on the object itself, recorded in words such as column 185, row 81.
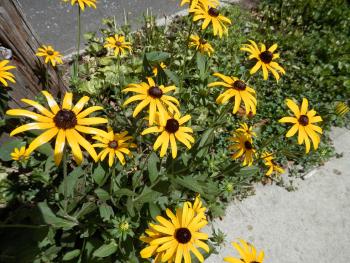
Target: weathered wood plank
column 18, row 35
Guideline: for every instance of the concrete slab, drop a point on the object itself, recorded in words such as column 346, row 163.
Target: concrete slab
column 308, row 225
column 56, row 21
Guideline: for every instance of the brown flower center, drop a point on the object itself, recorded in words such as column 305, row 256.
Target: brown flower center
column 155, row 92
column 202, row 41
column 248, row 145
column 118, row 44
column 213, row 12
column 113, row 144
column 304, row 120
column 65, row 119
column 50, row 52
column 172, row 126
column 266, row 56
column 239, row 84
column 183, row 235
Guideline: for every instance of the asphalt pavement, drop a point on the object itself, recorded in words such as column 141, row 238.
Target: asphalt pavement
column 55, row 21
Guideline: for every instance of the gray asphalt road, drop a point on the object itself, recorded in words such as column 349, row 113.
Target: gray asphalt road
column 55, row 21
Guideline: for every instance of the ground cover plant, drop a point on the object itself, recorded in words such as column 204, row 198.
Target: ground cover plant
column 162, row 127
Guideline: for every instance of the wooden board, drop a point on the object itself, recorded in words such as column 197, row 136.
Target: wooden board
column 18, row 35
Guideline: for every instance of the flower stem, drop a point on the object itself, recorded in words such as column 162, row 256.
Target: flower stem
column 186, row 48
column 65, row 182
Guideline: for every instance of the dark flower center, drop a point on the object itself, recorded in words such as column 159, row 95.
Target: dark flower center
column 118, row 43
column 248, row 145
column 155, row 92
column 50, row 52
column 183, row 235
column 239, row 84
column 203, row 41
column 304, row 120
column 266, row 56
column 213, row 12
column 113, row 144
column 65, row 119
column 172, row 126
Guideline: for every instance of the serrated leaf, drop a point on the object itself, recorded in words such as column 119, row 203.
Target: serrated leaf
column 100, row 175
column 102, row 194
column 51, row 219
column 173, row 77
column 157, row 56
column 106, row 212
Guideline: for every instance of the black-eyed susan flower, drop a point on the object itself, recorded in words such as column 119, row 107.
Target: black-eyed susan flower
column 211, row 15
column 265, row 59
column 5, row 74
column 304, row 123
column 201, row 45
column 82, row 3
column 197, row 206
column 341, row 109
column 118, row 44
column 175, row 238
column 242, row 146
column 239, row 90
column 114, row 145
column 64, row 122
column 149, row 93
column 194, row 3
column 247, row 253
column 51, row 56
column 155, row 68
column 19, row 154
column 269, row 161
column 246, row 130
column 170, row 132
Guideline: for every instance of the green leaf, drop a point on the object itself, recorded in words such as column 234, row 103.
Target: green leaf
column 124, row 191
column 85, row 209
column 154, row 210
column 152, row 167
column 157, row 56
column 106, row 212
column 72, row 179
column 100, row 175
column 71, row 254
column 7, row 148
column 173, row 76
column 102, row 194
column 105, row 250
column 51, row 219
column 248, row 171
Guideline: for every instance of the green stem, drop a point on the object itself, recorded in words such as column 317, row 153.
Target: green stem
column 47, row 77
column 65, row 186
column 186, row 48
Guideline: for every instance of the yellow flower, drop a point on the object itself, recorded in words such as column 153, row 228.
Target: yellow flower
column 82, row 3
column 304, row 123
column 4, row 74
column 63, row 122
column 247, row 252
column 118, row 44
column 154, row 96
column 115, row 144
column 246, row 130
column 19, row 154
column 213, row 16
column 173, row 239
column 242, row 146
column 170, row 132
column 50, row 55
column 265, row 59
column 269, row 161
column 155, row 68
column 341, row 109
column 194, row 3
column 239, row 90
column 197, row 206
column 201, row 45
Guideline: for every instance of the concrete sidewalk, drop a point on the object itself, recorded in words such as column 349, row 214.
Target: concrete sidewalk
column 308, row 225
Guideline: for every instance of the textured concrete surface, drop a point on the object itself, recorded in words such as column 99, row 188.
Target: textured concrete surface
column 55, row 21
column 308, row 225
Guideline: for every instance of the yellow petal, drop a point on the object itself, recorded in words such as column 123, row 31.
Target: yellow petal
column 32, row 126
column 59, row 146
column 51, row 102
column 42, row 139
column 74, row 145
column 67, row 101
